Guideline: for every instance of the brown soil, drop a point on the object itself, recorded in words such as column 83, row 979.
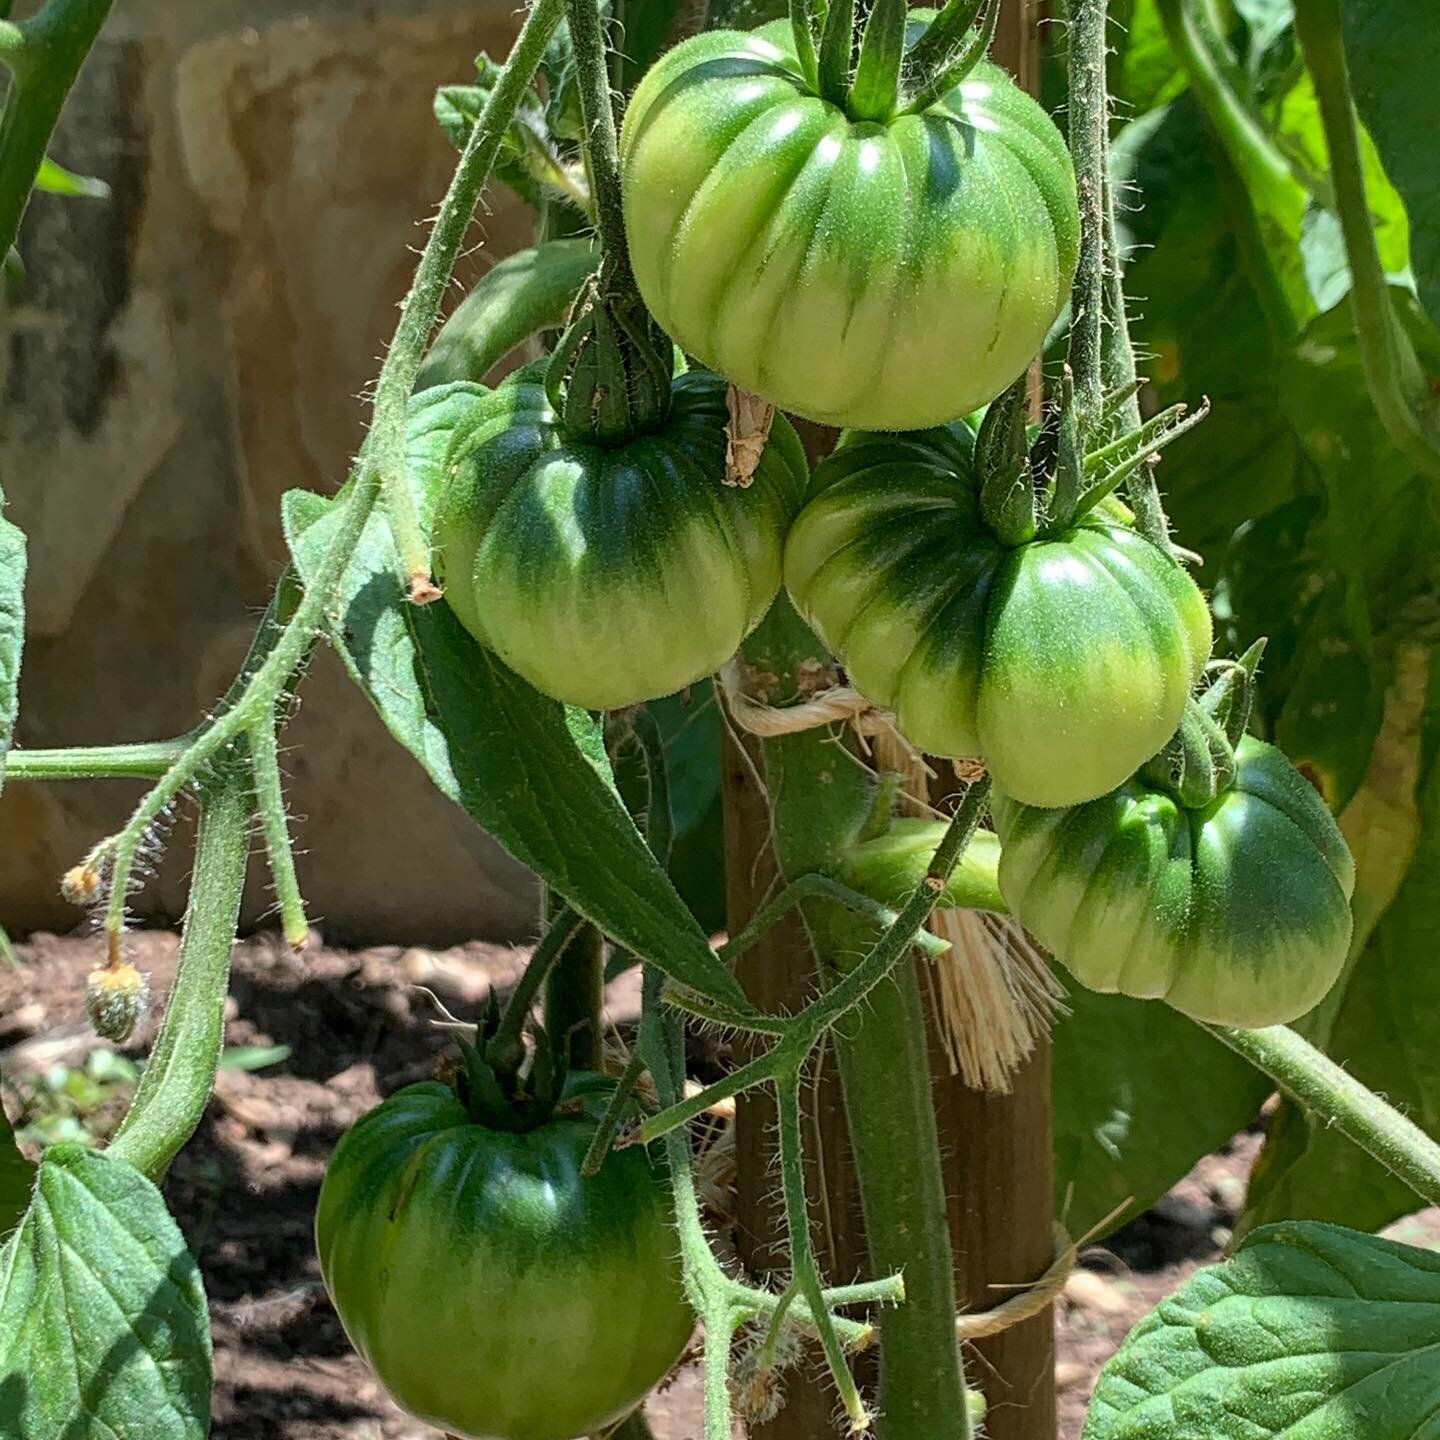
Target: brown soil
column 244, row 1189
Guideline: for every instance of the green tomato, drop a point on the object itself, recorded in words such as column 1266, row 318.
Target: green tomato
column 1065, row 661
column 605, row 575
column 496, row 1293
column 886, row 276
column 1237, row 912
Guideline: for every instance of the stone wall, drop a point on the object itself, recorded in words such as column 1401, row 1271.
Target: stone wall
column 180, row 356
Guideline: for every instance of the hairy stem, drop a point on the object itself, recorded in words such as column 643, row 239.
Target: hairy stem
column 175, row 1087
column 382, row 459
column 1393, row 373
column 902, row 1191
column 602, row 147
column 804, row 1030
column 610, row 1121
column 147, row 761
column 1089, row 118
column 270, row 801
column 507, row 1048
column 44, row 54
column 802, row 1250
column 575, row 998
column 812, row 887
column 1336, row 1097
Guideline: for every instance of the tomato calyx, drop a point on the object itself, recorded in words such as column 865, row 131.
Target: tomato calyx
column 868, row 70
column 1199, row 764
column 609, row 379
column 1040, row 488
column 504, row 1085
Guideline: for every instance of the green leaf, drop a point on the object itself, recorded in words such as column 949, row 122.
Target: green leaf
column 525, row 293
column 531, row 771
column 1380, row 1022
column 252, row 1057
column 1311, row 1332
column 529, row 161
column 103, row 1326
column 12, row 629
column 1391, row 47
column 57, row 180
column 1300, row 133
column 17, row 1175
column 1140, row 1094
column 1144, row 74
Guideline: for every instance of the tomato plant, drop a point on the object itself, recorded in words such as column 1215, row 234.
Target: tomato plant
column 498, row 1293
column 1006, row 713
column 855, row 253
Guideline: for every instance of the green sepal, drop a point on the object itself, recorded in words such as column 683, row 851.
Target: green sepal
column 1109, row 466
column 1197, row 764
column 609, row 378
column 837, row 48
column 933, row 71
column 877, row 73
column 1231, row 694
column 1002, row 461
column 481, row 1093
column 547, row 1069
column 806, row 18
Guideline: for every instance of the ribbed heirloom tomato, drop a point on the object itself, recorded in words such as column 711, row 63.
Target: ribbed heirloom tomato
column 604, row 574
column 1236, row 911
column 884, row 271
column 1064, row 661
column 496, row 1293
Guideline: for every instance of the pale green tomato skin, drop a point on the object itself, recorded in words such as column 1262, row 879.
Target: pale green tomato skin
column 1063, row 663
column 604, row 576
column 1237, row 913
column 883, row 277
column 496, row 1294
column 889, row 866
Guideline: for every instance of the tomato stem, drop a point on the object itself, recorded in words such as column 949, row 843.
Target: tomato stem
column 890, row 1114
column 1393, row 374
column 280, row 652
column 723, row 1303
column 1089, row 112
column 506, row 1051
column 802, row 1250
column 270, row 801
column 44, row 55
column 146, row 761
column 803, row 1030
column 178, row 1077
column 1337, row 1098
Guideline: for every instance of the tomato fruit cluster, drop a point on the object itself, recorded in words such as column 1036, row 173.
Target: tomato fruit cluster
column 885, row 273
column 1065, row 661
column 496, row 1293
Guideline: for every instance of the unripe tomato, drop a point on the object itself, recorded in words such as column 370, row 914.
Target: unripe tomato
column 885, row 276
column 1064, row 661
column 496, row 1293
column 1236, row 912
column 606, row 575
